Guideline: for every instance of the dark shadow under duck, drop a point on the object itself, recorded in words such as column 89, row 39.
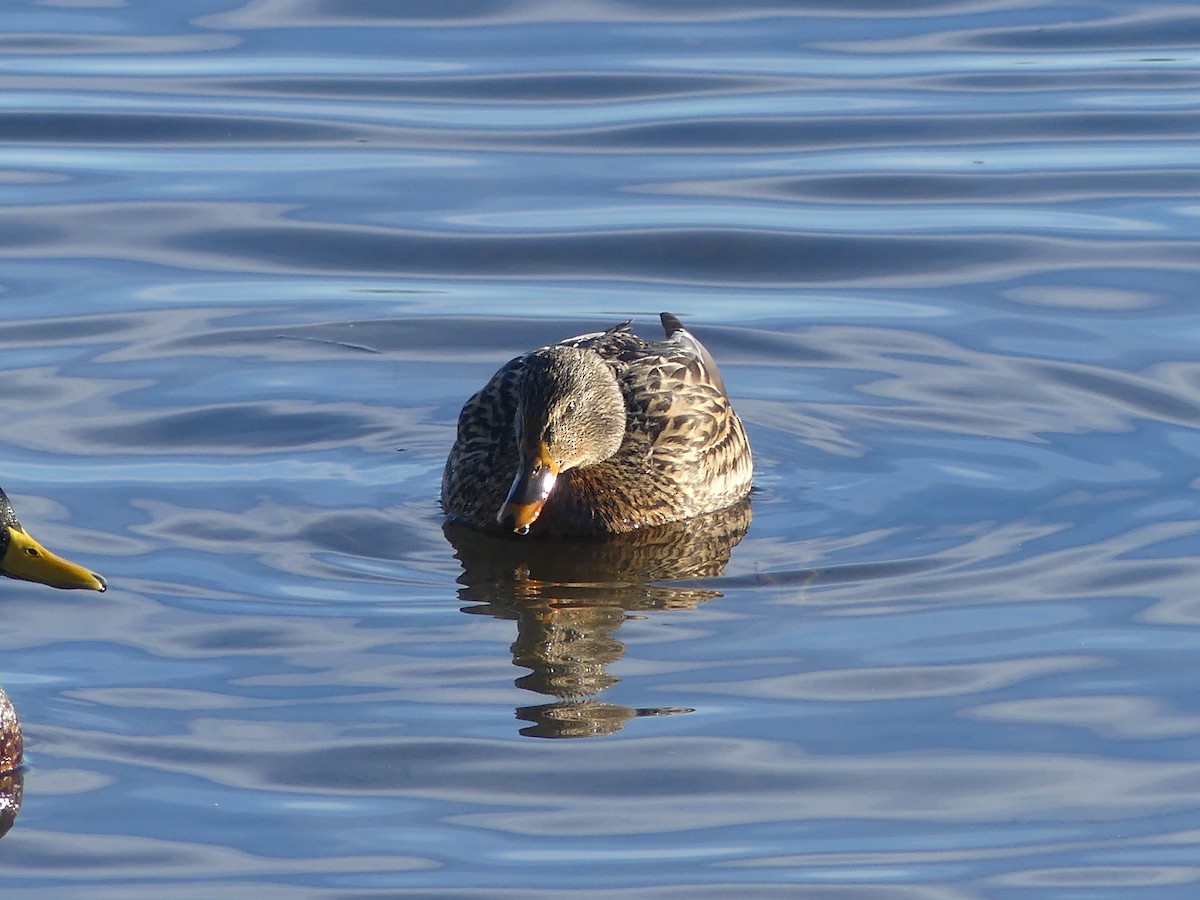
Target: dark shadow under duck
column 598, row 434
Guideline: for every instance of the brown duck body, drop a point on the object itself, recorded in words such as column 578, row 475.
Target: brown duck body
column 681, row 452
column 10, row 735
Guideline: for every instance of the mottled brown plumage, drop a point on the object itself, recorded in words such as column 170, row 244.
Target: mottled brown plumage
column 600, row 433
column 10, row 735
column 12, row 779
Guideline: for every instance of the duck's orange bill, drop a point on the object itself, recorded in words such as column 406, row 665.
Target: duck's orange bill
column 535, row 479
column 30, row 561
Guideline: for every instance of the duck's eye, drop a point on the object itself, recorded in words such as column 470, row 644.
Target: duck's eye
column 570, row 407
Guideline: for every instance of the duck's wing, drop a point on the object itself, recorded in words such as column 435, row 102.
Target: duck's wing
column 681, row 348
column 661, row 379
column 685, row 449
column 676, row 396
column 700, row 425
column 619, row 341
column 685, row 340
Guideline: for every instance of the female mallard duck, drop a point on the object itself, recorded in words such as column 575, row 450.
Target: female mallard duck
column 597, row 434
column 23, row 557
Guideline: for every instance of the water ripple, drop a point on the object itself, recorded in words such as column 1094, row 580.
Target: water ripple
column 257, row 254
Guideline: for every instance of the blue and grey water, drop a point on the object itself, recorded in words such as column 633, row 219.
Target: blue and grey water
column 255, row 255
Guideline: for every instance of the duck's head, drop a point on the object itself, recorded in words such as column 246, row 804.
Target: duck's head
column 24, row 558
column 570, row 413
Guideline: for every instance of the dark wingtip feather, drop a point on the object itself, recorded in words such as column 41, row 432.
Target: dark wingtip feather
column 623, row 328
column 681, row 336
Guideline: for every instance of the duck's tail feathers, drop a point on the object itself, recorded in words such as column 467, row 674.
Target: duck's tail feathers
column 671, row 324
column 684, row 338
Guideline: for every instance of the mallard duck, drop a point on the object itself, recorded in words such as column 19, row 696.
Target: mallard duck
column 23, row 557
column 598, row 434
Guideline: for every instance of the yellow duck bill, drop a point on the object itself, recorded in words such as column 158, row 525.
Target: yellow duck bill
column 26, row 559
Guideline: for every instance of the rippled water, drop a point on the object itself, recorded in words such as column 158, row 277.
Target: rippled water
column 256, row 254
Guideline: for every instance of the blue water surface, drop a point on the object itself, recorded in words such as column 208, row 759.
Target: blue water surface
column 254, row 256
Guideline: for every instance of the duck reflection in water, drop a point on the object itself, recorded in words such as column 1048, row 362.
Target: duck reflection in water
column 569, row 597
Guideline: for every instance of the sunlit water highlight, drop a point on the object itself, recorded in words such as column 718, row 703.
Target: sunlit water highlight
column 254, row 257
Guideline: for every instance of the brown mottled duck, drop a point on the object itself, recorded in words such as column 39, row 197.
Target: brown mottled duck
column 598, row 434
column 24, row 558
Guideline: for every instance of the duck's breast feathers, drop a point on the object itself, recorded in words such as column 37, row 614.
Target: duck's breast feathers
column 493, row 405
column 485, row 448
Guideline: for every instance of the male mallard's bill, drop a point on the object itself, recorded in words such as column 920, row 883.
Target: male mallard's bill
column 23, row 557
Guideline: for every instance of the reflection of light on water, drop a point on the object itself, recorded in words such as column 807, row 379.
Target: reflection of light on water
column 568, row 599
